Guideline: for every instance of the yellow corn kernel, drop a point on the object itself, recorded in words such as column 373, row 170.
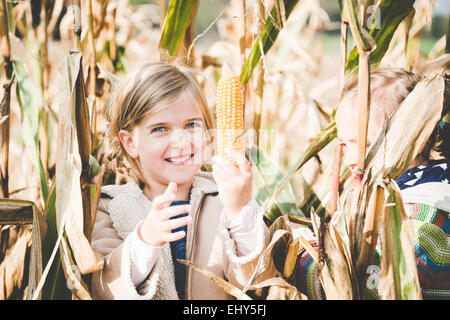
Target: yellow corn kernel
column 229, row 113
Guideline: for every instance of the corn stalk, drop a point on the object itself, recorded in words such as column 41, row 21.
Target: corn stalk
column 335, row 178
column 6, row 100
column 267, row 39
column 365, row 45
column 92, row 72
column 45, row 78
column 260, row 81
column 392, row 13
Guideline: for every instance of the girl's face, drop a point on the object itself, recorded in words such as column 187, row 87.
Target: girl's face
column 169, row 144
column 346, row 124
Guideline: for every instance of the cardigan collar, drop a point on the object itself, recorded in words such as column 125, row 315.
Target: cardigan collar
column 202, row 182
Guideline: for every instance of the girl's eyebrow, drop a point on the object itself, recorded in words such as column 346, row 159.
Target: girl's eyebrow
column 157, row 124
column 194, row 118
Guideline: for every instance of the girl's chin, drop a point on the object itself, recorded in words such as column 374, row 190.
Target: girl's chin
column 182, row 175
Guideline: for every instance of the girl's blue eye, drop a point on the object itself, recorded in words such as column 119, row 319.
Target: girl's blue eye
column 158, row 129
column 193, row 125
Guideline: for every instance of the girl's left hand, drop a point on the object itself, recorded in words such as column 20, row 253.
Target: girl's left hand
column 233, row 181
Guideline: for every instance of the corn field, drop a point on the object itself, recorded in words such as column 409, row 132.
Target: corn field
column 62, row 59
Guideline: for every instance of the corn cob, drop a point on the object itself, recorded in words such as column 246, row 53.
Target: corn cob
column 229, row 113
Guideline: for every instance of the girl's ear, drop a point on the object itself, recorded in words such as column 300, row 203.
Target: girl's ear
column 128, row 142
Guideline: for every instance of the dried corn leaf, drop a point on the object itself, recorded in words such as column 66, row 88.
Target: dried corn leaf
column 398, row 275
column 265, row 267
column 18, row 213
column 370, row 233
column 336, row 271
column 273, row 257
column 69, row 202
column 290, row 262
column 12, row 267
column 279, row 289
column 106, row 75
column 313, row 253
column 226, row 286
column 73, row 276
column 283, row 290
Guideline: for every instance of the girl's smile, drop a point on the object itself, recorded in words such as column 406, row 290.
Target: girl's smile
column 179, row 160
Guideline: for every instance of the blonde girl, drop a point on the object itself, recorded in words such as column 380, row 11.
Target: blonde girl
column 160, row 122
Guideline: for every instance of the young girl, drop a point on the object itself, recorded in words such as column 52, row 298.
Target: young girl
column 425, row 185
column 160, row 122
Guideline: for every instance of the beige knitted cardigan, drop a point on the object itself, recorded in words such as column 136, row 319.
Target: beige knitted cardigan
column 119, row 215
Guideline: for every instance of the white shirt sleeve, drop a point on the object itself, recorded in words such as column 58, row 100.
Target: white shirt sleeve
column 243, row 227
column 143, row 257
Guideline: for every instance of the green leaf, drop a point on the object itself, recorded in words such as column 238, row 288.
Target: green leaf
column 391, row 13
column 30, row 108
column 94, row 167
column 25, row 97
column 266, row 176
column 268, row 37
column 9, row 10
column 55, row 286
column 43, row 179
column 176, row 23
column 321, row 141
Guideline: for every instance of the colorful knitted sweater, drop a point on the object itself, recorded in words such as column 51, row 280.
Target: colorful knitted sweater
column 426, row 197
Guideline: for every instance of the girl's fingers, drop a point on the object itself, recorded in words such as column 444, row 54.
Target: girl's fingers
column 163, row 201
column 171, row 188
column 241, row 160
column 225, row 166
column 170, row 225
column 170, row 212
column 219, row 175
column 170, row 237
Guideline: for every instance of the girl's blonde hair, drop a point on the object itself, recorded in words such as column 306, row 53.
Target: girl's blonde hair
column 144, row 91
column 388, row 88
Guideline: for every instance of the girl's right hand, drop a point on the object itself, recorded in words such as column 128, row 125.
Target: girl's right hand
column 157, row 227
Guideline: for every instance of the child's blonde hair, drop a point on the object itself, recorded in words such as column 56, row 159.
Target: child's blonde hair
column 388, row 88
column 144, row 91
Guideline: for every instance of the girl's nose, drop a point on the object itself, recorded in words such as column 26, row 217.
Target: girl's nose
column 179, row 137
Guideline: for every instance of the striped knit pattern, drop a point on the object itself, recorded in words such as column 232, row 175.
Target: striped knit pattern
column 432, row 250
column 429, row 214
column 307, row 274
